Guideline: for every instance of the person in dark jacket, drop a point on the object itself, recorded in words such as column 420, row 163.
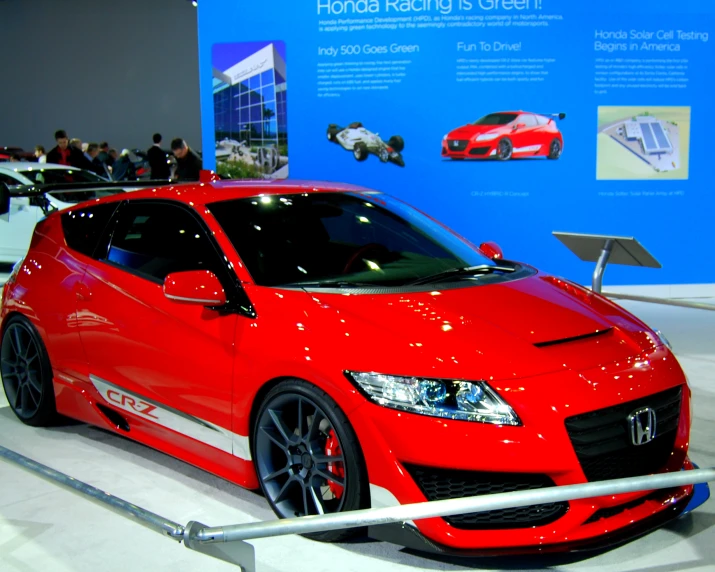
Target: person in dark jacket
column 104, row 156
column 65, row 154
column 158, row 160
column 92, row 155
column 188, row 164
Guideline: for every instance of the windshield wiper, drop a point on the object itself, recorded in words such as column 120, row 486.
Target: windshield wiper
column 326, row 284
column 466, row 271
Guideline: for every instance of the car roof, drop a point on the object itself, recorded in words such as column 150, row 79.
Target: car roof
column 205, row 193
column 33, row 166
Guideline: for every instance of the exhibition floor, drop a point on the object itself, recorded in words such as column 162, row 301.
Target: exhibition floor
column 49, row 529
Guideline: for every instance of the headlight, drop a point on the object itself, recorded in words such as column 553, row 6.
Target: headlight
column 486, row 136
column 663, row 340
column 450, row 399
column 445, row 137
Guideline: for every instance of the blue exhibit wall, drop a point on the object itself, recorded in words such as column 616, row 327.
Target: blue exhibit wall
column 422, row 68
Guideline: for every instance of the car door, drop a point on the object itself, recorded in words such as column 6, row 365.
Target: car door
column 525, row 138
column 17, row 226
column 169, row 363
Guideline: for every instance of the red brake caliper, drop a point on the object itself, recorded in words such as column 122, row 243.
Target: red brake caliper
column 332, row 449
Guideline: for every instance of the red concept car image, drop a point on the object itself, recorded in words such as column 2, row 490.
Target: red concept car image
column 506, row 135
column 338, row 349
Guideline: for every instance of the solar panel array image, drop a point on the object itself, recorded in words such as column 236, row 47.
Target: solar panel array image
column 655, row 140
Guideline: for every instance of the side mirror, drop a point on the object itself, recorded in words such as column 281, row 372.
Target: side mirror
column 198, row 287
column 206, row 176
column 491, row 250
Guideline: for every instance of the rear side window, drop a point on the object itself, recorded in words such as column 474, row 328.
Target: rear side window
column 156, row 239
column 83, row 227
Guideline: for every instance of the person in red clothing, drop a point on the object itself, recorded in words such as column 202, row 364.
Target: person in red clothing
column 65, row 154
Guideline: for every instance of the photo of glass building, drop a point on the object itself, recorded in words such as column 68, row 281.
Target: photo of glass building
column 250, row 106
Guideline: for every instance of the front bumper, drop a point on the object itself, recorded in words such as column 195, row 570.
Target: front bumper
column 410, row 537
column 541, row 447
column 469, row 149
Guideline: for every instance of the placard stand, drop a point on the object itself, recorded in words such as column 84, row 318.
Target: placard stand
column 602, row 249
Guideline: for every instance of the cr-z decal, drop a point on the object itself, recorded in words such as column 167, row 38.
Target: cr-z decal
column 130, row 403
column 173, row 419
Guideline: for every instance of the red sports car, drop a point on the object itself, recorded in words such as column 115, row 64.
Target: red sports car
column 506, row 135
column 339, row 349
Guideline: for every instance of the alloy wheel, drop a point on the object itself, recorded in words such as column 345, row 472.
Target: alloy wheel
column 299, row 457
column 21, row 369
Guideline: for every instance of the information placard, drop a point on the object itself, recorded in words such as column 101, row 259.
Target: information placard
column 504, row 119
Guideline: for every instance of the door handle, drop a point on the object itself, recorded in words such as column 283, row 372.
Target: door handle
column 82, row 292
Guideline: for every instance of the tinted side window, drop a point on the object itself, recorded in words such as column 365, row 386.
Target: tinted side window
column 155, row 239
column 8, row 180
column 83, row 227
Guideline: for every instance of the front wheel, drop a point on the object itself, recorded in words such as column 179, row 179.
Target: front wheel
column 360, row 151
column 307, row 456
column 504, row 149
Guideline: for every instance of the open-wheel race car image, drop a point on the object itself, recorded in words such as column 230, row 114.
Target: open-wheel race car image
column 338, row 349
column 506, row 135
column 364, row 143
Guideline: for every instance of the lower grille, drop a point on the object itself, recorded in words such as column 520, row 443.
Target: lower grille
column 479, row 151
column 440, row 484
column 615, row 510
column 602, row 439
column 457, row 144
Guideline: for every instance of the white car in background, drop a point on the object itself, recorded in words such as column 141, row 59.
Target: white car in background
column 44, row 174
column 18, row 224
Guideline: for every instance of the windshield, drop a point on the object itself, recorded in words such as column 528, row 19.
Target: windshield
column 49, row 176
column 496, row 119
column 353, row 238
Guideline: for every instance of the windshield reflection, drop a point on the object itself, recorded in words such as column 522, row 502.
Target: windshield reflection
column 341, row 239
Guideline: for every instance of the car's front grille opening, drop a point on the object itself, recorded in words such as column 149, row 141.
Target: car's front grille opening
column 602, row 439
column 479, row 151
column 440, row 484
column 618, row 509
column 457, row 144
column 114, row 418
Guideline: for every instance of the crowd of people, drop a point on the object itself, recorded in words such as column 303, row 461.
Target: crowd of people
column 180, row 163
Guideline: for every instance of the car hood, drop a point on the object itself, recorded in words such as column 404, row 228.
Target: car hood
column 469, row 131
column 509, row 330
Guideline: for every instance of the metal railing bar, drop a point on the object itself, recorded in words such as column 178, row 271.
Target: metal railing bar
column 430, row 509
column 143, row 516
column 665, row 301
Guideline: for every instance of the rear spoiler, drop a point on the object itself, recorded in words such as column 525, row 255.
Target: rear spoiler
column 552, row 115
column 39, row 191
column 33, row 190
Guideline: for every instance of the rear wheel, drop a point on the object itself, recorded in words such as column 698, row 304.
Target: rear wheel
column 554, row 149
column 307, row 456
column 27, row 374
column 397, row 143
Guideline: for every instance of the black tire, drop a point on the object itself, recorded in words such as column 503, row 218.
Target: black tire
column 27, row 373
column 332, row 132
column 554, row 150
column 360, row 151
column 290, row 457
column 505, row 149
column 397, row 143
